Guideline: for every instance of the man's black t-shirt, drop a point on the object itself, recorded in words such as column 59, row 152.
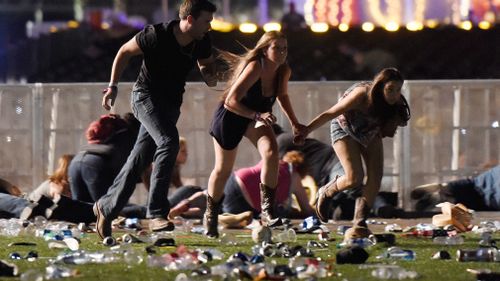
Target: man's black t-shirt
column 166, row 64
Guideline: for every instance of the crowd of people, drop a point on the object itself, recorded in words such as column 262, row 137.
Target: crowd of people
column 146, row 147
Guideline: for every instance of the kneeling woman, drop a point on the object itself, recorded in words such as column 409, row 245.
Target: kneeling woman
column 241, row 192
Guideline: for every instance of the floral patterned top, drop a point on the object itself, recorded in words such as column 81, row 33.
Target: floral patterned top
column 359, row 125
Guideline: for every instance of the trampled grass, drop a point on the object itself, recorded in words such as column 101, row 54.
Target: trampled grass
column 427, row 268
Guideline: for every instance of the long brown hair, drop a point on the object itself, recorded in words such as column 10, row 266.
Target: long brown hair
column 60, row 175
column 237, row 63
column 296, row 158
column 376, row 101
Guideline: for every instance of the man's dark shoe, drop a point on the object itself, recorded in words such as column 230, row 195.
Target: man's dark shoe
column 102, row 225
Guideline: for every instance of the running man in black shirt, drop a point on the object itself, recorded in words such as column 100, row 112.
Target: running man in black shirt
column 170, row 51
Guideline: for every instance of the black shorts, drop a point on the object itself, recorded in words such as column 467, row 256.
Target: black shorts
column 228, row 128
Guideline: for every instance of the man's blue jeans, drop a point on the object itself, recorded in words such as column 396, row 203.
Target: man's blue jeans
column 158, row 141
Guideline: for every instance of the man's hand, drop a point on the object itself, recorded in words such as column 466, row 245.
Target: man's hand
column 110, row 94
column 209, row 75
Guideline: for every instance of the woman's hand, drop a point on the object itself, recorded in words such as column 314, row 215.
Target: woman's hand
column 300, row 139
column 265, row 117
column 299, row 133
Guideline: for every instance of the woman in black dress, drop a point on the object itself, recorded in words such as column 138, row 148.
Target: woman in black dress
column 258, row 78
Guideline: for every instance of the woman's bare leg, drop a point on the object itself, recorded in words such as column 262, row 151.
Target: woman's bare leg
column 264, row 140
column 349, row 153
column 374, row 161
column 224, row 162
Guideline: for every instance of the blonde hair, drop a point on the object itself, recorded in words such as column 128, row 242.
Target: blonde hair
column 60, row 175
column 182, row 141
column 237, row 63
column 296, row 158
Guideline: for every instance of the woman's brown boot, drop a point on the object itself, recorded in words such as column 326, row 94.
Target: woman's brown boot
column 267, row 214
column 324, row 199
column 210, row 218
column 359, row 228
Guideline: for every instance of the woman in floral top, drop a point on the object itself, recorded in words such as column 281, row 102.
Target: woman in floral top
column 367, row 112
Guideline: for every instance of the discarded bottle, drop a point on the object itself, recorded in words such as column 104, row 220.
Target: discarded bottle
column 398, row 253
column 480, row 255
column 286, row 236
column 341, row 229
column 485, row 274
column 388, row 238
column 448, row 240
column 310, row 222
column 132, row 257
column 31, row 275
column 56, row 272
column 393, row 272
column 393, row 228
column 441, row 255
column 361, row 242
column 487, row 240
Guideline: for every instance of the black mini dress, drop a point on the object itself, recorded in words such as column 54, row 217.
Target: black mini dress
column 228, row 127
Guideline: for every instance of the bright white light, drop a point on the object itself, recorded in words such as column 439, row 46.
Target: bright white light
column 484, row 24
column 319, row 27
column 494, row 124
column 466, row 25
column 392, row 26
column 248, row 27
column 414, row 26
column 463, row 131
column 343, row 27
column 368, row 26
column 8, row 138
column 19, row 110
column 272, row 26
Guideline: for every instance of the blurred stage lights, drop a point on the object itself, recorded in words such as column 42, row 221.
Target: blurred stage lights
column 248, row 27
column 221, row 25
column 391, row 26
column 272, row 26
column 368, row 27
column 73, row 24
column 319, row 27
column 105, row 25
column 466, row 25
column 484, row 25
column 431, row 23
column 414, row 26
column 343, row 27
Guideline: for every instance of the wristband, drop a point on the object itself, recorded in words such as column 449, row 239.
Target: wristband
column 113, row 84
column 256, row 117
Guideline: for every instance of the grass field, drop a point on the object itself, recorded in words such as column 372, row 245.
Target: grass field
column 427, row 268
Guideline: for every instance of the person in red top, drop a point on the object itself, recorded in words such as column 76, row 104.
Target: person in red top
column 242, row 191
